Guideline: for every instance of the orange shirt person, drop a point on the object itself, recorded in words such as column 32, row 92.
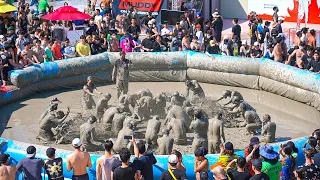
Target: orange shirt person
column 56, row 50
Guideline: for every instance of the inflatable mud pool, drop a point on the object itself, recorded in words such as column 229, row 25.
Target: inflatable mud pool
column 271, row 86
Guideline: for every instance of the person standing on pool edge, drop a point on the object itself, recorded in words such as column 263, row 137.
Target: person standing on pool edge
column 120, row 74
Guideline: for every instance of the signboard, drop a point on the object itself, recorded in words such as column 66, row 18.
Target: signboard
column 308, row 10
column 143, row 6
column 74, row 36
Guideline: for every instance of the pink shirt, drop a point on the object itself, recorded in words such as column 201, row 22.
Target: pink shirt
column 126, row 46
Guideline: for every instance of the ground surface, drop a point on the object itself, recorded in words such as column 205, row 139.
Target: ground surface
column 20, row 120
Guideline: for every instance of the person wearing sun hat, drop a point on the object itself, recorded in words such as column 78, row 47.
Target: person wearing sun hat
column 252, row 152
column 270, row 165
column 173, row 172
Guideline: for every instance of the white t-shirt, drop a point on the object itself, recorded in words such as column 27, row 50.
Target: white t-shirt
column 97, row 19
column 165, row 31
column 199, row 34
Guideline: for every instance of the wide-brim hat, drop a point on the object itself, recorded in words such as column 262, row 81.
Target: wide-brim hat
column 274, row 24
column 268, row 152
column 215, row 14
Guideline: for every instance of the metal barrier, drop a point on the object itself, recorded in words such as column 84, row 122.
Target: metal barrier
column 292, row 34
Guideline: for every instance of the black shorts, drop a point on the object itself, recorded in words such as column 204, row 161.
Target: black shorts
column 80, row 177
column 5, row 73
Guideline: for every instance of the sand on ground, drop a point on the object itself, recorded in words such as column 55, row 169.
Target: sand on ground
column 19, row 120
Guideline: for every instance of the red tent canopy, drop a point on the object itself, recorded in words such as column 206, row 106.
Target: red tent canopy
column 66, row 13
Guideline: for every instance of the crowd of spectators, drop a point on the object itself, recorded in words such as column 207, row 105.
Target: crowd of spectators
column 26, row 38
column 261, row 162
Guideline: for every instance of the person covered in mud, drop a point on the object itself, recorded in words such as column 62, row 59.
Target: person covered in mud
column 159, row 105
column 52, row 120
column 165, row 143
column 120, row 74
column 52, row 107
column 152, row 131
column 215, row 134
column 177, row 112
column 230, row 94
column 88, row 94
column 194, row 90
column 88, row 135
column 121, row 141
column 102, row 106
column 118, row 119
column 269, row 128
column 200, row 127
column 177, row 99
column 179, row 129
column 143, row 107
column 108, row 116
column 235, row 108
column 252, row 120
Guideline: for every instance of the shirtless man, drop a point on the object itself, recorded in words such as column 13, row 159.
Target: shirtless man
column 120, row 141
column 159, row 105
column 177, row 112
column 237, row 110
column 7, row 172
column 153, row 129
column 297, row 39
column 177, row 99
column 88, row 89
column 200, row 128
column 102, row 106
column 269, row 128
column 252, row 121
column 108, row 117
column 298, row 53
column 143, row 107
column 51, row 121
column 144, row 92
column 79, row 161
column 118, row 119
column 278, row 53
column 165, row 143
column 179, row 127
column 231, row 94
column 215, row 133
column 88, row 135
column 194, row 90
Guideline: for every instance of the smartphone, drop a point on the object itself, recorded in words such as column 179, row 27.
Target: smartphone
column 127, row 137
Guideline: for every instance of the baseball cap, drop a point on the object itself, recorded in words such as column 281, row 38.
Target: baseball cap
column 256, row 43
column 280, row 18
column 11, row 28
column 173, row 159
column 4, row 158
column 199, row 13
column 225, row 37
column 254, row 141
column 228, row 146
column 212, row 42
column 76, row 142
column 30, row 151
column 50, row 152
column 244, row 41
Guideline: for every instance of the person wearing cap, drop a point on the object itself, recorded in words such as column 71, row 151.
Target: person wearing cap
column 268, row 131
column 311, row 170
column 226, row 155
column 217, row 25
column 177, row 30
column 88, row 92
column 256, row 52
column 240, row 173
column 199, row 34
column 173, row 172
column 78, row 161
column 53, row 106
column 53, row 165
column 120, row 74
column 287, row 161
column 83, row 48
column 270, row 165
column 69, row 51
column 252, row 152
column 31, row 166
column 213, row 48
column 244, row 49
column 258, row 173
column 7, row 172
column 314, row 64
column 226, row 46
column 96, row 47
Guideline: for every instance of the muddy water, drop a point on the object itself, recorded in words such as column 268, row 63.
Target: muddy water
column 19, row 121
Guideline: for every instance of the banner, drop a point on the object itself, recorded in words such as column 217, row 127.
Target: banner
column 291, row 10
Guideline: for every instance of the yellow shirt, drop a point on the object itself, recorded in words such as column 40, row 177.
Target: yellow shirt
column 83, row 49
